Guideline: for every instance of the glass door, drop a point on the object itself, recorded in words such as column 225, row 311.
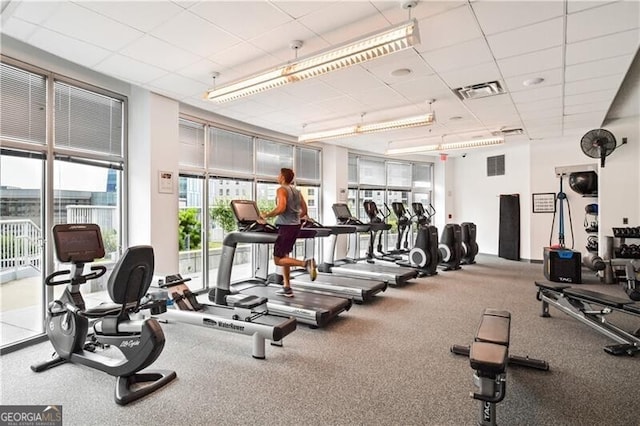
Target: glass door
column 21, row 247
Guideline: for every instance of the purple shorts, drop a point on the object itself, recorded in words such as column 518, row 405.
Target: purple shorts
column 287, row 236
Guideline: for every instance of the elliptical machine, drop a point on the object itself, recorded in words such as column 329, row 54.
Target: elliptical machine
column 131, row 344
column 425, row 255
column 404, row 223
column 469, row 244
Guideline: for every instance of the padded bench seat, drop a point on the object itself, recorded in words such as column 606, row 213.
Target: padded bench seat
column 494, row 327
column 597, row 297
column 488, row 358
column 546, row 285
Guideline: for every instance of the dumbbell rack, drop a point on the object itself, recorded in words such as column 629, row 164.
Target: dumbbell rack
column 622, row 250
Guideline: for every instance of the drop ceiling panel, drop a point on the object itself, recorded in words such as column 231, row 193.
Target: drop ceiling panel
column 129, row 69
column 178, row 84
column 461, row 55
column 298, row 9
column 68, row 48
column 591, row 23
column 202, row 70
column 451, row 27
column 240, row 55
column 603, row 96
column 409, row 59
column 194, row 34
column 235, row 17
column 496, row 17
column 19, row 29
column 141, row 15
column 278, row 41
column 541, row 113
column 353, row 78
column 472, row 75
column 552, row 103
column 346, row 16
column 584, row 118
column 544, row 35
column 95, row 29
column 578, row 5
column 379, row 98
column 538, row 94
column 531, row 62
column 593, row 84
column 551, row 78
column 421, row 89
column 586, row 108
column 623, row 43
column 35, row 12
column 159, row 53
column 311, row 90
column 393, row 11
column 597, row 68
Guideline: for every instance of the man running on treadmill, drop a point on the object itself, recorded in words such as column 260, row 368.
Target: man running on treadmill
column 290, row 207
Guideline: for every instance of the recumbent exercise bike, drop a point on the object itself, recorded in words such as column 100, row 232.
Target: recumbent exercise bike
column 131, row 345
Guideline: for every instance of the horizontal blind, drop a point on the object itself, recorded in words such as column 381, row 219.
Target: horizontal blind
column 372, row 172
column 398, row 174
column 422, row 175
column 23, row 97
column 87, row 121
column 353, row 169
column 308, row 164
column 230, row 151
column 272, row 156
column 191, row 138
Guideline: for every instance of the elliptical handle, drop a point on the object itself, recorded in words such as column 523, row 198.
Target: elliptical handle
column 49, row 279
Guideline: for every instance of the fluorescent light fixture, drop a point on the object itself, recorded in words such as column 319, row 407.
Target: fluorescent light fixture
column 370, row 47
column 476, row 143
column 359, row 129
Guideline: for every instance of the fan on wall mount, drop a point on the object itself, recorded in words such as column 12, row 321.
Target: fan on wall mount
column 598, row 143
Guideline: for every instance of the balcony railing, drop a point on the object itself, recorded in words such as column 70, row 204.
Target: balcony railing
column 20, row 245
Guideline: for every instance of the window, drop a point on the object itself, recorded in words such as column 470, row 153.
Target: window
column 371, row 172
column 353, row 170
column 307, row 164
column 398, row 174
column 272, row 156
column 191, row 137
column 229, row 151
column 22, row 105
column 422, row 175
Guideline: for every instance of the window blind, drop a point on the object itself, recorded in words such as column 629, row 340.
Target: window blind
column 23, row 97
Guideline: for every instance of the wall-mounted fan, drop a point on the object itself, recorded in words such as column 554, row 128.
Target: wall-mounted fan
column 598, row 143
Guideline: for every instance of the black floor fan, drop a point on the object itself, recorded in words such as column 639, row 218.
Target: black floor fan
column 598, row 143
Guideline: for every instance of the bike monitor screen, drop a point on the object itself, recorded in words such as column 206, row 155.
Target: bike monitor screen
column 78, row 242
column 341, row 211
column 245, row 211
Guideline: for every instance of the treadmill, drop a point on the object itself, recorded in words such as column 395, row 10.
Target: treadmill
column 313, row 309
column 358, row 289
column 393, row 275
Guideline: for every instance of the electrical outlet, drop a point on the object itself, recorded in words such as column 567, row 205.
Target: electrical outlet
column 625, row 220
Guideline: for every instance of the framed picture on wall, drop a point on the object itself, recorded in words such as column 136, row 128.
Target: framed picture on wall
column 544, row 202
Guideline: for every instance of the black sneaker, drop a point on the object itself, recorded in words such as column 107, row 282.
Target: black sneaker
column 312, row 269
column 285, row 291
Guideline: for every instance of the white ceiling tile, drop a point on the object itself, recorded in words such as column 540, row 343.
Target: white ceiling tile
column 585, row 108
column 451, row 27
column 618, row 44
column 85, row 25
column 495, row 17
column 351, row 78
column 421, row 89
column 179, row 84
column 194, row 34
column 312, row 89
column 537, row 94
column 185, row 4
column 527, row 39
column 593, row 84
column 298, row 9
column 275, row 99
column 379, row 98
column 203, row 69
column 472, row 75
column 18, row 29
column 551, row 103
column 409, row 59
column 345, row 21
column 129, row 69
column 591, row 119
column 551, row 78
column 35, row 12
column 541, row 113
column 600, row 68
column 465, row 54
column 159, row 53
column 241, row 54
column 141, row 15
column 68, row 48
column 394, row 12
column 245, row 20
column 608, row 19
column 531, row 62
column 277, row 41
column 574, row 6
column 603, row 96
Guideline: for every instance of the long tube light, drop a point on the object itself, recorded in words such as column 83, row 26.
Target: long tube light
column 370, row 47
column 359, row 129
column 476, row 143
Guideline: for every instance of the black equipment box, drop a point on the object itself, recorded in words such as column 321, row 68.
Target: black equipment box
column 562, row 265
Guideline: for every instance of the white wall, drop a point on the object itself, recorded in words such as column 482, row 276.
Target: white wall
column 335, row 183
column 476, row 197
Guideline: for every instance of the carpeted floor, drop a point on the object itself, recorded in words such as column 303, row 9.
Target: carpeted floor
column 383, row 363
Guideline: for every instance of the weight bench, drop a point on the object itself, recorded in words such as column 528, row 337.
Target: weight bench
column 489, row 357
column 591, row 308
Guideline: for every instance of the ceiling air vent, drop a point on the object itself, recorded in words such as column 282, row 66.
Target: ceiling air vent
column 479, row 90
column 512, row 132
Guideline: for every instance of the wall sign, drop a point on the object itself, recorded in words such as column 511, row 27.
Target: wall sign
column 165, row 182
column 544, row 202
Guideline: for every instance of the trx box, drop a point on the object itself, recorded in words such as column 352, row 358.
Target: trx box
column 562, row 265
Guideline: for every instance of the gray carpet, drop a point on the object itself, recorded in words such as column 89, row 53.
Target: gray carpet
column 383, row 363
